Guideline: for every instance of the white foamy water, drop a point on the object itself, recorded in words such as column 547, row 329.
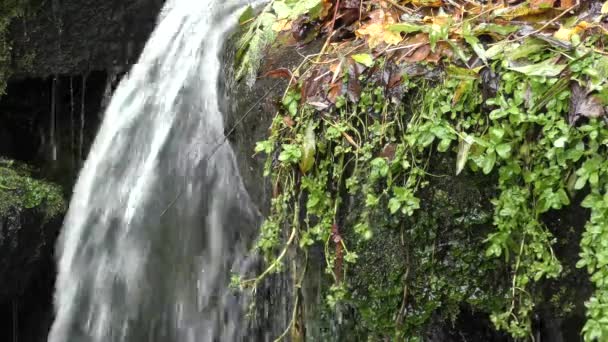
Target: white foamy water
column 157, row 218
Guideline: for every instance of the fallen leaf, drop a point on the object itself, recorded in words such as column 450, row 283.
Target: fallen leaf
column 541, row 3
column 282, row 25
column 319, row 105
column 334, row 91
column 583, row 105
column 378, row 34
column 605, row 8
column 510, row 13
column 547, row 68
column 353, row 88
column 525, row 49
column 427, row 3
column 568, row 3
column 336, row 70
column 376, row 29
column 494, row 30
column 419, row 54
column 566, row 33
column 364, row 58
column 463, row 87
column 288, row 121
column 279, row 73
column 388, row 152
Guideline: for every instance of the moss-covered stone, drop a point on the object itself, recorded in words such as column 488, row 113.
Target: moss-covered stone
column 411, row 276
column 18, row 190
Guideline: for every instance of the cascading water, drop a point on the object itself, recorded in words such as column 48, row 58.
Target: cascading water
column 159, row 215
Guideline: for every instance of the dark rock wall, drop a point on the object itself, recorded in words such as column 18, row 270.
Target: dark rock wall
column 68, row 56
column 76, row 36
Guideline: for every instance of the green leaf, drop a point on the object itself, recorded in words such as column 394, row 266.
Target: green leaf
column 394, row 205
column 351, row 257
column 252, row 45
column 291, row 154
column 444, row 145
column 488, row 162
column 594, row 178
column 504, row 150
column 496, row 134
column 464, row 146
column 437, row 33
column 364, row 58
column 546, row 68
column 527, row 48
column 474, row 42
column 292, row 9
column 247, row 15
column 308, row 149
column 560, row 142
column 580, row 182
column 264, row 146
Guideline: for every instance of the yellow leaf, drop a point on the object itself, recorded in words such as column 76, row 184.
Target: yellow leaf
column 379, row 33
column 510, row 13
column 429, row 3
column 566, row 34
column 281, row 25
column 605, row 8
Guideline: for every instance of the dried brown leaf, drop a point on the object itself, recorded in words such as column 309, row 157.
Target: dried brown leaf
column 583, row 105
column 288, row 121
column 541, row 3
column 279, row 73
column 334, row 91
column 353, row 88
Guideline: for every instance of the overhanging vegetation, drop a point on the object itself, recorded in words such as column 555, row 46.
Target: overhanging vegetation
column 514, row 91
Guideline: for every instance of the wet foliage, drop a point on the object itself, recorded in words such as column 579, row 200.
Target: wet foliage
column 512, row 91
column 19, row 190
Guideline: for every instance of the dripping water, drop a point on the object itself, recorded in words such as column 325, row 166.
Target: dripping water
column 72, row 124
column 159, row 217
column 82, row 114
column 53, row 119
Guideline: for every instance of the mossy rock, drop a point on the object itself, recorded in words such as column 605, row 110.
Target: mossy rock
column 31, row 213
column 19, row 191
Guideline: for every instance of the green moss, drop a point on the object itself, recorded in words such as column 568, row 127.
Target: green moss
column 18, row 190
column 429, row 265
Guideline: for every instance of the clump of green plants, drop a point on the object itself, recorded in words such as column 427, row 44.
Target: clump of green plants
column 18, row 190
column 351, row 157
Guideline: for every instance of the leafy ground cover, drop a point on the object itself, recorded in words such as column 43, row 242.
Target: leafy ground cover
column 514, row 91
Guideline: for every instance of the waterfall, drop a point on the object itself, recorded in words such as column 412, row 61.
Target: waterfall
column 159, row 217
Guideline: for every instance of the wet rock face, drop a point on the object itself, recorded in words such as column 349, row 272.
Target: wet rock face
column 75, row 36
column 26, row 240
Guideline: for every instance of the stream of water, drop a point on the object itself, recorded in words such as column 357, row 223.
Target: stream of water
column 159, row 215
